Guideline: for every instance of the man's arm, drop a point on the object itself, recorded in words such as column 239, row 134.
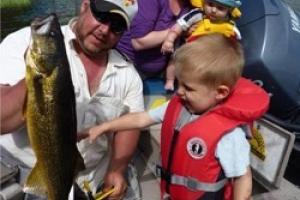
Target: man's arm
column 12, row 103
column 12, row 67
column 125, row 142
column 124, row 146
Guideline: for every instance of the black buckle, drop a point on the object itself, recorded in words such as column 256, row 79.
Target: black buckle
column 192, row 184
column 158, row 171
column 164, row 174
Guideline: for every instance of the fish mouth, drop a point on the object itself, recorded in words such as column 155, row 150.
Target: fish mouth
column 44, row 47
column 42, row 26
column 45, row 32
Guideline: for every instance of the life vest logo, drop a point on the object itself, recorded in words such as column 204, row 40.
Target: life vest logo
column 196, row 148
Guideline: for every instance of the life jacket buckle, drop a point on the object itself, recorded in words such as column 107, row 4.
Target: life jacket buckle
column 192, row 184
column 163, row 174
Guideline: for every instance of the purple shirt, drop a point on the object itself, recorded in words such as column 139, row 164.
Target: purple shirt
column 153, row 15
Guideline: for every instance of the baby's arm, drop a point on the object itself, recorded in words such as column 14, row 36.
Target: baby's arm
column 243, row 186
column 182, row 24
column 137, row 120
column 168, row 44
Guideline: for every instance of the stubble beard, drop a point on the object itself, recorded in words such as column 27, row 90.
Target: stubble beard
column 85, row 46
column 88, row 48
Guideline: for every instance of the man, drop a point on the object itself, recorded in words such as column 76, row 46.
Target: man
column 106, row 85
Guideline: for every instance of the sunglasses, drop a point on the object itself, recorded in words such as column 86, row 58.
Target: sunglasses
column 116, row 22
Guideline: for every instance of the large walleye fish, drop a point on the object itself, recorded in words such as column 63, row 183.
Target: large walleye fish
column 50, row 112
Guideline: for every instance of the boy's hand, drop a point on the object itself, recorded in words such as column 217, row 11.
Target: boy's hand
column 96, row 131
column 92, row 133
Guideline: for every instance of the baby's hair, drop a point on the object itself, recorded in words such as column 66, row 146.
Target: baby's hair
column 213, row 59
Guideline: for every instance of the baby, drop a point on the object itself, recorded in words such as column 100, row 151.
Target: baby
column 215, row 16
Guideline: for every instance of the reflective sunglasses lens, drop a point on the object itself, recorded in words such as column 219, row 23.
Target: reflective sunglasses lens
column 117, row 24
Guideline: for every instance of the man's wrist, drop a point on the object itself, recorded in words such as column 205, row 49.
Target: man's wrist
column 117, row 167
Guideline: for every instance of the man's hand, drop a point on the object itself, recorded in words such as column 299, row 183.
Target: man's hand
column 116, row 180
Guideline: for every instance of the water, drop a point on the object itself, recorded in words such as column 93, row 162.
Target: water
column 14, row 19
column 294, row 4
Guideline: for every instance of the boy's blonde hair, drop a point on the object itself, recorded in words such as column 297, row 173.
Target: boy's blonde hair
column 212, row 59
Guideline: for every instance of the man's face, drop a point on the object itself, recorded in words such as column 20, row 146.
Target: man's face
column 93, row 36
column 215, row 11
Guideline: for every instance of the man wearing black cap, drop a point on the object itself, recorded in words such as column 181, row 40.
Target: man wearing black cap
column 106, row 86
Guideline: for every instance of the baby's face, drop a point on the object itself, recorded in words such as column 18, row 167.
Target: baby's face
column 215, row 11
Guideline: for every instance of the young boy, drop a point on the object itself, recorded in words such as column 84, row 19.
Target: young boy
column 215, row 16
column 204, row 151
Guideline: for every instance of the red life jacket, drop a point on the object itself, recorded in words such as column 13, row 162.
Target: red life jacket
column 189, row 168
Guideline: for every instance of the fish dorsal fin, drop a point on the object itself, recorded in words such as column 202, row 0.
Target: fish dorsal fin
column 34, row 183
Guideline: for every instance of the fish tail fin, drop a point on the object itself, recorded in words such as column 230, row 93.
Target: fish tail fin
column 34, row 183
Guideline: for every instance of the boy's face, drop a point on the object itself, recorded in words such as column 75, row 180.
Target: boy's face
column 215, row 11
column 197, row 98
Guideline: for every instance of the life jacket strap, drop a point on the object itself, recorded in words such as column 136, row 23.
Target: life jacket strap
column 189, row 182
column 195, row 185
column 163, row 173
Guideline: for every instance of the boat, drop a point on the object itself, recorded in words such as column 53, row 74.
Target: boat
column 270, row 32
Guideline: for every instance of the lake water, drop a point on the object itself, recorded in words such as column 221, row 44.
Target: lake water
column 294, row 3
column 12, row 19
